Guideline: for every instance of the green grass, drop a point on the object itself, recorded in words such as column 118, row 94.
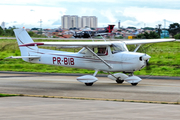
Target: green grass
column 7, row 95
column 165, row 60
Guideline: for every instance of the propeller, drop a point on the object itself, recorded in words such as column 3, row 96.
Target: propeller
column 144, row 49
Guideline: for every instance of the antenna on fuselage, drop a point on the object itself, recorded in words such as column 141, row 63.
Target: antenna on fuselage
column 90, row 36
column 102, row 37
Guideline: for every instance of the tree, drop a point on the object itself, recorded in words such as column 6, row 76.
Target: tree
column 177, row 36
column 146, row 35
column 7, row 32
column 131, row 27
column 174, row 29
column 1, row 31
column 148, row 28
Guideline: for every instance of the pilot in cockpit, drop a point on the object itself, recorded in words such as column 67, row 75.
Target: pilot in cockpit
column 101, row 51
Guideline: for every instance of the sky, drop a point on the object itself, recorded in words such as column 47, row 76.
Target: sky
column 133, row 13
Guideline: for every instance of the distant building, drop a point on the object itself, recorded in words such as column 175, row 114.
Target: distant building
column 89, row 21
column 74, row 21
column 3, row 25
column 85, row 21
column 93, row 22
column 165, row 34
column 65, row 21
column 119, row 24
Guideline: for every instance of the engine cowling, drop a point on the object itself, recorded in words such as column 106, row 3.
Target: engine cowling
column 87, row 79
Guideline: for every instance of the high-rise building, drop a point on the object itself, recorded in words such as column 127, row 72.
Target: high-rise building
column 89, row 21
column 3, row 25
column 68, row 21
column 79, row 22
column 93, row 21
column 85, row 21
column 65, row 21
column 74, row 21
column 119, row 24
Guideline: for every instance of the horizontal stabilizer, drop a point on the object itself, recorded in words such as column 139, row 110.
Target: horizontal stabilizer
column 18, row 57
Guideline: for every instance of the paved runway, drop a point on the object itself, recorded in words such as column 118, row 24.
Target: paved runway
column 53, row 108
column 37, row 84
column 31, row 108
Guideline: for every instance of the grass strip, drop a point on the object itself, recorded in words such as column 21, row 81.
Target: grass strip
column 7, row 95
column 99, row 99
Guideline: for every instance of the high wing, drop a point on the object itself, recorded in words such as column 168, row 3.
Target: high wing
column 83, row 44
column 146, row 41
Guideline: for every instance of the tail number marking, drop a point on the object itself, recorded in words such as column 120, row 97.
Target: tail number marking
column 65, row 61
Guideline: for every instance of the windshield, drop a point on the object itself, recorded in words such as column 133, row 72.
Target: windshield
column 118, row 47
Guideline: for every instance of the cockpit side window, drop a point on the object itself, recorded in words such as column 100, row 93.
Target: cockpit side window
column 115, row 48
column 101, row 51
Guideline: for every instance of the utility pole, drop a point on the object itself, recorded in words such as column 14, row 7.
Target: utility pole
column 159, row 30
column 164, row 23
column 41, row 26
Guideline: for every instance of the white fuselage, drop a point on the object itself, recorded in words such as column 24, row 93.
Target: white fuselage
column 121, row 61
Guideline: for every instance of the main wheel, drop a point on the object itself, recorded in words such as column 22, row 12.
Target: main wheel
column 88, row 84
column 134, row 84
column 119, row 81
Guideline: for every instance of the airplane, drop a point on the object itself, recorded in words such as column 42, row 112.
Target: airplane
column 86, row 33
column 108, row 56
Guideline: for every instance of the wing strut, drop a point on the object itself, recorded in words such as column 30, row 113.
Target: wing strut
column 137, row 47
column 98, row 57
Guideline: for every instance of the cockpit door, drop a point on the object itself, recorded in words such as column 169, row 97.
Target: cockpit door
column 117, row 57
column 102, row 52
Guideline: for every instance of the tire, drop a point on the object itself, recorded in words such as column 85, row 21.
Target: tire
column 134, row 84
column 88, row 84
column 119, row 81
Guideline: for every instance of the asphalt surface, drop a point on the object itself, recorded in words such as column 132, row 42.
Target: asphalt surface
column 148, row 90
column 56, row 85
column 31, row 108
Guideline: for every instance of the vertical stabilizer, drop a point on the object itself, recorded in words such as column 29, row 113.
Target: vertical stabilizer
column 22, row 38
column 110, row 28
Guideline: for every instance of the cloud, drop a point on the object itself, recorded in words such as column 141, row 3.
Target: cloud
column 24, row 15
column 152, row 15
column 129, row 12
column 58, row 22
column 53, row 1
column 109, row 15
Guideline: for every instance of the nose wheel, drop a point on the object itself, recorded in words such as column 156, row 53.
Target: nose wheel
column 134, row 84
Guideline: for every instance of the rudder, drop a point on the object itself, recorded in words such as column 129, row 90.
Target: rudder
column 22, row 38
